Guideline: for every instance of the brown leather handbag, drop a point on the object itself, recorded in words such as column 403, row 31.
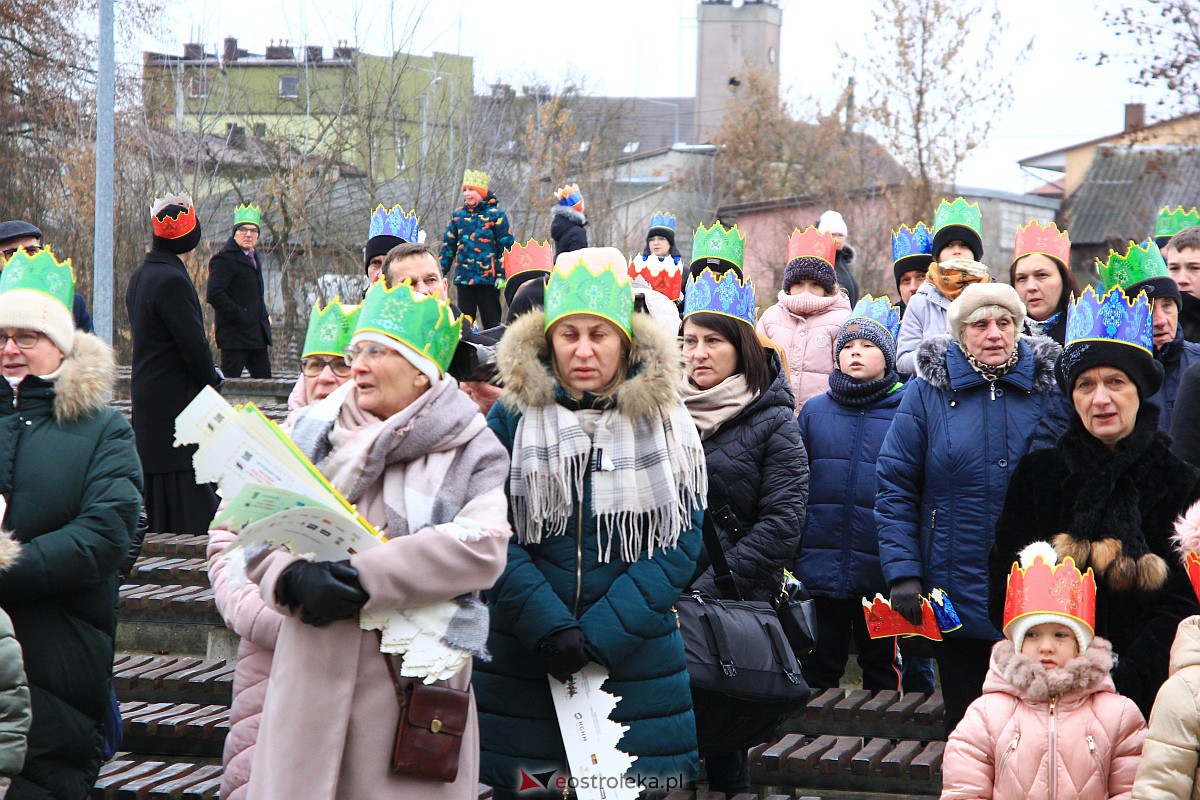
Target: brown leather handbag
column 429, row 734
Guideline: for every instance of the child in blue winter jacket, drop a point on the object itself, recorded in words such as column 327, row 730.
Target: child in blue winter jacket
column 838, row 559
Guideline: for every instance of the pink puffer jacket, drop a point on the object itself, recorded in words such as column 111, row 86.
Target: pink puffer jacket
column 1046, row 735
column 806, row 327
column 258, row 626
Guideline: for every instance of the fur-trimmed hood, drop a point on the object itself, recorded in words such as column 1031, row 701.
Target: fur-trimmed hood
column 84, row 381
column 568, row 212
column 654, row 371
column 1026, row 678
column 10, row 549
column 934, row 364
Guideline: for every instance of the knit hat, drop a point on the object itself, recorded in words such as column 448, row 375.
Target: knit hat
column 832, row 222
column 877, row 321
column 809, row 268
column 36, row 294
column 958, row 220
column 175, row 225
column 978, row 295
column 1041, row 590
column 811, row 254
column 1110, row 331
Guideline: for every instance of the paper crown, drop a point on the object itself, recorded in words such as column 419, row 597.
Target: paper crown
column 173, row 227
column 877, row 311
column 1048, row 241
column 811, row 243
column 395, row 221
column 1039, row 586
column 960, row 212
column 329, row 329
column 1171, row 222
column 1112, row 318
column 1141, row 262
column 912, row 242
column 726, row 244
column 1191, row 560
column 662, row 219
column 593, row 281
column 247, row 214
column 722, row 293
column 663, row 273
column 41, row 273
column 423, row 322
column 570, row 196
column 475, row 179
column 533, row 256
column 937, row 617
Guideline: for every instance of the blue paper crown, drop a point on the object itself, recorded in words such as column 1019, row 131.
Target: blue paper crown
column 570, row 196
column 879, row 311
column 662, row 219
column 917, row 241
column 1112, row 318
column 724, row 294
column 394, row 221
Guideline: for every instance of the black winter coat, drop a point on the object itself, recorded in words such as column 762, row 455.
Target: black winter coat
column 172, row 361
column 757, row 490
column 566, row 229
column 1185, row 428
column 845, row 278
column 235, row 291
column 1113, row 510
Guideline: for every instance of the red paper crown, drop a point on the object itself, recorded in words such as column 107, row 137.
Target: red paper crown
column 170, row 227
column 1048, row 240
column 529, row 257
column 1192, row 560
column 883, row 621
column 663, row 274
column 812, row 243
column 1059, row 589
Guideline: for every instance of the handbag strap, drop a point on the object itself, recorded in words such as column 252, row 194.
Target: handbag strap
column 716, row 554
column 781, row 650
column 401, row 695
column 716, row 627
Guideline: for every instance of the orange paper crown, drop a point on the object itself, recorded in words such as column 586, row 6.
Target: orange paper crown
column 883, row 620
column 1044, row 588
column 1192, row 560
column 663, row 274
column 533, row 256
column 810, row 242
column 174, row 227
column 1048, row 240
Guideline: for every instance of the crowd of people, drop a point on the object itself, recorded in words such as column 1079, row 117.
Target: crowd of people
column 588, row 436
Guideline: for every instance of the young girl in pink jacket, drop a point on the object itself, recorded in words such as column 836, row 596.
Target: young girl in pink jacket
column 1049, row 724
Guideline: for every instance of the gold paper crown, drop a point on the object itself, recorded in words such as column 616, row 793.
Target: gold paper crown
column 474, row 179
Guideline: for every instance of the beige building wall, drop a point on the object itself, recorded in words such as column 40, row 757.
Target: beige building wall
column 1182, row 131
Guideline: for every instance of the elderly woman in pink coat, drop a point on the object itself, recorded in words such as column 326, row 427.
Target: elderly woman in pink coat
column 412, row 452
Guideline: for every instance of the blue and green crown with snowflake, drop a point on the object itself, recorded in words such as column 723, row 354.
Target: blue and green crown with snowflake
column 877, row 311
column 1140, row 263
column 595, row 281
column 1111, row 318
column 423, row 322
column 395, row 221
column 908, row 242
column 722, row 293
column 329, row 329
column 41, row 273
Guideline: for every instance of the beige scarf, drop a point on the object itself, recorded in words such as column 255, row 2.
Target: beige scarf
column 712, row 408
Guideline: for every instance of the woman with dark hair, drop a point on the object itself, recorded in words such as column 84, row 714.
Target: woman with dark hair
column 739, row 397
column 1041, row 274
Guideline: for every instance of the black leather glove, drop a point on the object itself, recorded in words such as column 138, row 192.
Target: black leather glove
column 324, row 591
column 906, row 599
column 563, row 653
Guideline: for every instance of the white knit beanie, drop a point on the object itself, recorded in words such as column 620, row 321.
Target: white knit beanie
column 33, row 311
column 423, row 363
column 977, row 295
column 832, row 222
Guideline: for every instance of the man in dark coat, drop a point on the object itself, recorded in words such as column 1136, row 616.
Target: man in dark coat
column 171, row 364
column 235, row 291
column 17, row 234
column 567, row 220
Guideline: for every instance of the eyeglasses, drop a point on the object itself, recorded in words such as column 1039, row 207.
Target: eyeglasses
column 315, row 365
column 25, row 340
column 31, row 250
column 248, row 229
column 368, row 353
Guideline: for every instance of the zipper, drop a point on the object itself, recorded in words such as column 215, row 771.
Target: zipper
column 1009, row 752
column 578, row 557
column 1053, row 760
column 1100, row 770
column 992, row 388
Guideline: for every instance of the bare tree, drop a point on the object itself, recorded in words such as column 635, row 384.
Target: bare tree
column 1165, row 35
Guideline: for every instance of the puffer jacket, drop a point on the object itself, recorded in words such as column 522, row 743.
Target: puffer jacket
column 944, row 468
column 567, row 229
column 474, row 242
column 1175, row 357
column 15, row 713
column 1170, row 768
column 807, row 340
column 924, row 318
column 625, row 609
column 757, row 488
column 247, row 615
column 1046, row 735
column 839, row 554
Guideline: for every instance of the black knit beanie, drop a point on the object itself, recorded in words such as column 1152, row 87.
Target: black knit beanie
column 964, row 234
column 379, row 246
column 1076, row 359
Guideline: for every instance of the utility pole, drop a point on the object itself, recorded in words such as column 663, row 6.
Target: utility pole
column 102, row 254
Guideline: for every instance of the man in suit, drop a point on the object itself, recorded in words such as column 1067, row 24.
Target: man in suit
column 235, row 291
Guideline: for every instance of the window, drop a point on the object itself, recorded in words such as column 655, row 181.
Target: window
column 632, row 147
column 198, row 86
column 289, row 86
column 260, row 129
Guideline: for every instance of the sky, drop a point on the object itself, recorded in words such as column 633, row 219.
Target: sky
column 647, row 48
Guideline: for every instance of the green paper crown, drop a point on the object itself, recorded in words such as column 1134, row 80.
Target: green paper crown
column 329, row 329
column 421, row 321
column 1171, row 222
column 1142, row 262
column 594, row 280
column 960, row 212
column 247, row 214
column 41, row 273
column 727, row 244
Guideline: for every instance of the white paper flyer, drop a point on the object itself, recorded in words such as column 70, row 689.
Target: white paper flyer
column 590, row 737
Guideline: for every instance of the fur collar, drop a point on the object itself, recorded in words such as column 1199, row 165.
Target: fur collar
column 655, row 367
column 932, row 364
column 85, row 379
column 1028, row 679
column 10, row 550
column 570, row 213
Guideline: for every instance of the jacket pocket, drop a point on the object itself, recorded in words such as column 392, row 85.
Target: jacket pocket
column 1009, row 752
